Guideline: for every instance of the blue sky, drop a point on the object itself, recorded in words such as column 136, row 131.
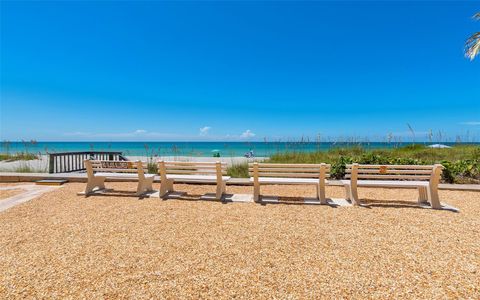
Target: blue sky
column 236, row 70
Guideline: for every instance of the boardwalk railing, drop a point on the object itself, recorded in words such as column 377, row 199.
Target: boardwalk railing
column 64, row 162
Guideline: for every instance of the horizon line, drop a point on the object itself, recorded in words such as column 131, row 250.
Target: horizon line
column 223, row 141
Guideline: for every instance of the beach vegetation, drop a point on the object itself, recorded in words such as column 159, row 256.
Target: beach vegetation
column 238, row 170
column 24, row 167
column 152, row 167
column 461, row 162
column 26, row 154
column 17, row 156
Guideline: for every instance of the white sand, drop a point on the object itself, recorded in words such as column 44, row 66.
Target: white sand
column 229, row 160
column 41, row 165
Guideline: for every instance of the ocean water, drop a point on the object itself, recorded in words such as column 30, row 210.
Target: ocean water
column 226, row 149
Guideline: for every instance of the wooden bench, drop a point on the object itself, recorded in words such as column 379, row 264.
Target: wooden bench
column 424, row 178
column 202, row 172
column 99, row 170
column 266, row 173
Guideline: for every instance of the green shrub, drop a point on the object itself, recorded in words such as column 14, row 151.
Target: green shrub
column 476, row 154
column 337, row 170
column 448, row 173
column 373, row 159
column 461, row 171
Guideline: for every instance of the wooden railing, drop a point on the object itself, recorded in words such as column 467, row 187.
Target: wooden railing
column 64, row 162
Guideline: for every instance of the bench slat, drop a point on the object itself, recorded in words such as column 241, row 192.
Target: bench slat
column 388, row 183
column 292, row 170
column 191, row 172
column 292, row 175
column 115, row 161
column 202, row 170
column 115, row 170
column 400, row 177
column 277, row 180
column 209, row 165
column 196, row 177
column 390, row 171
column 269, row 165
column 186, row 163
column 121, row 175
column 190, row 167
column 132, row 168
column 427, row 167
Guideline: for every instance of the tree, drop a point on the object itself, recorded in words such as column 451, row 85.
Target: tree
column 472, row 45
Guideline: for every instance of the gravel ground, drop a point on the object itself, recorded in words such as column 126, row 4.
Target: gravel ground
column 61, row 245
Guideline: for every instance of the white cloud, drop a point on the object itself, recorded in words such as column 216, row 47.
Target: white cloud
column 138, row 131
column 247, row 134
column 471, row 123
column 204, row 130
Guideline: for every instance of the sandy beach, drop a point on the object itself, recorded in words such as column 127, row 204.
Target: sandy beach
column 118, row 246
column 41, row 165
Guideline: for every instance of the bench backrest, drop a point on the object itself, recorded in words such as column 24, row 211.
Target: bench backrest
column 289, row 170
column 192, row 168
column 115, row 166
column 394, row 172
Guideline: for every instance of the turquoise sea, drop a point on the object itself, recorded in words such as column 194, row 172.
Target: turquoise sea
column 226, row 149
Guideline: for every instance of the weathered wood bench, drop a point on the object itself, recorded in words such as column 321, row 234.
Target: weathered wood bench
column 99, row 170
column 424, row 178
column 267, row 173
column 201, row 172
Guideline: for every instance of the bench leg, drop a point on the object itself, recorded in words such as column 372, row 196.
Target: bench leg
column 433, row 197
column 144, row 186
column 93, row 183
column 166, row 187
column 347, row 192
column 321, row 194
column 353, row 193
column 149, row 184
column 221, row 187
column 422, row 194
column 256, row 193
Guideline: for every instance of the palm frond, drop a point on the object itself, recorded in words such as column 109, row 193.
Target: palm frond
column 472, row 46
column 476, row 16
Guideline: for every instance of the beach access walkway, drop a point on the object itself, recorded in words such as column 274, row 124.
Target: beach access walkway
column 26, row 192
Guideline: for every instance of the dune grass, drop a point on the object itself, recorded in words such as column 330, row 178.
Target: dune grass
column 17, row 156
column 238, row 170
column 24, row 167
column 462, row 162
